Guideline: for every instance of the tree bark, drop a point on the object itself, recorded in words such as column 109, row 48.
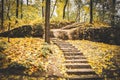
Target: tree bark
column 2, row 15
column 103, row 12
column 53, row 8
column 17, row 10
column 91, row 11
column 78, row 13
column 47, row 22
column 9, row 21
column 68, row 10
column 113, row 13
column 64, row 9
column 43, row 9
column 21, row 9
column 78, row 3
column 27, row 2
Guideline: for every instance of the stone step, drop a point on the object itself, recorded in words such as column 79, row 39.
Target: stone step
column 60, row 43
column 84, row 77
column 74, row 57
column 69, row 50
column 80, row 71
column 66, row 46
column 72, row 47
column 60, row 46
column 63, row 43
column 77, row 61
column 73, row 54
column 77, row 65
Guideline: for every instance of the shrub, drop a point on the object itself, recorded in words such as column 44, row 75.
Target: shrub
column 38, row 30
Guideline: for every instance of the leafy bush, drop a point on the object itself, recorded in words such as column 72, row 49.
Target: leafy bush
column 25, row 31
column 38, row 30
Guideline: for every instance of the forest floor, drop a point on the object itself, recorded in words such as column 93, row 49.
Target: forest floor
column 28, row 58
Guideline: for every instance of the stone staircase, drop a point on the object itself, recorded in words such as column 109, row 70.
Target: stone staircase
column 76, row 63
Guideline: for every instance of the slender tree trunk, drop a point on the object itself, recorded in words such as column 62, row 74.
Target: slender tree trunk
column 27, row 2
column 68, row 10
column 2, row 15
column 76, row 17
column 91, row 11
column 78, row 13
column 47, row 22
column 53, row 8
column 21, row 9
column 43, row 9
column 113, row 13
column 103, row 13
column 8, row 16
column 64, row 9
column 17, row 9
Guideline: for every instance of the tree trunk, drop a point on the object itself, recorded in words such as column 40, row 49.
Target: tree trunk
column 8, row 17
column 78, row 3
column 68, row 10
column 47, row 22
column 9, row 21
column 27, row 2
column 53, row 8
column 103, row 12
column 21, row 9
column 64, row 9
column 113, row 13
column 2, row 16
column 76, row 17
column 17, row 10
column 91, row 11
column 78, row 13
column 43, row 9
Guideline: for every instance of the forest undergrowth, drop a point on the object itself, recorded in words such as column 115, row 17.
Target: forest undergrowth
column 33, row 56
